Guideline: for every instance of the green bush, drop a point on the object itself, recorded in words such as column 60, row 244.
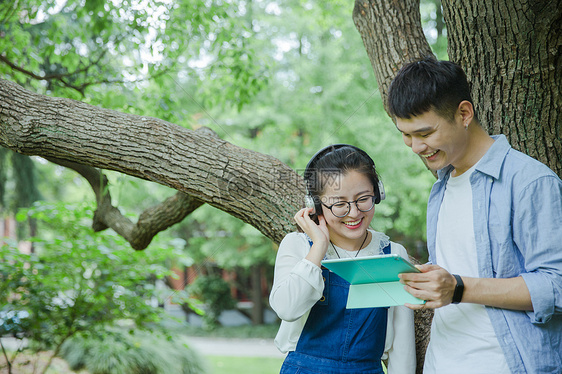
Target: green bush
column 214, row 292
column 123, row 352
column 77, row 281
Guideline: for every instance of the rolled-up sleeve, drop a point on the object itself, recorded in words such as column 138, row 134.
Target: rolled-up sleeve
column 537, row 232
column 297, row 282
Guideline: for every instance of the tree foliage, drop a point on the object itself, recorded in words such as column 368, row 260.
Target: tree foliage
column 73, row 48
column 77, row 281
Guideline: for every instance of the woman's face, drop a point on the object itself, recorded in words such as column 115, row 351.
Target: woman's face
column 347, row 232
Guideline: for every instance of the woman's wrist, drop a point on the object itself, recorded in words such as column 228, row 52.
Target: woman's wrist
column 317, row 253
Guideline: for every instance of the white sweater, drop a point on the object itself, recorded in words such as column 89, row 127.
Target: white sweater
column 298, row 285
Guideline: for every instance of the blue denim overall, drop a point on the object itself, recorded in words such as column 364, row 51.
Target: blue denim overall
column 336, row 340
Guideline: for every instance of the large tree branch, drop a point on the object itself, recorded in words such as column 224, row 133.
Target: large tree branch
column 153, row 220
column 254, row 187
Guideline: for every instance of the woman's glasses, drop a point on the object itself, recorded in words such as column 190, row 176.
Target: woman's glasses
column 342, row 208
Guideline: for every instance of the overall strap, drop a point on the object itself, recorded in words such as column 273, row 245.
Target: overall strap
column 386, row 250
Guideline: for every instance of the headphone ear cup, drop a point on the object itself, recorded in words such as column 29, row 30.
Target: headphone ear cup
column 382, row 194
column 310, row 203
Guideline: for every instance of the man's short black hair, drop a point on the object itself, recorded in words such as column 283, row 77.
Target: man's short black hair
column 427, row 85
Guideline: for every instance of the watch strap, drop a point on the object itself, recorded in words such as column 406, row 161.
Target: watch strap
column 459, row 289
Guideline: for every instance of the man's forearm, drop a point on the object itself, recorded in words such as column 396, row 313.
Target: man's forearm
column 505, row 293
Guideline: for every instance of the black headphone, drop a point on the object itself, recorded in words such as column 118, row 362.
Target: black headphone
column 314, row 202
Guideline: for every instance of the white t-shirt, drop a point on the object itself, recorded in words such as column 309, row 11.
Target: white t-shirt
column 298, row 285
column 462, row 336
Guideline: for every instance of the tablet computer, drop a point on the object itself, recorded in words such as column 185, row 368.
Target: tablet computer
column 381, row 268
column 374, row 280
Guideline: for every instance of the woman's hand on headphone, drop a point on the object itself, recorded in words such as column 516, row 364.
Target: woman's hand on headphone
column 318, row 233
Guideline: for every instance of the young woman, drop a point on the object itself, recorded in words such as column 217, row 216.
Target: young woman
column 318, row 332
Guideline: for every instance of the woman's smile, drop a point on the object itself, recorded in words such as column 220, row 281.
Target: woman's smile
column 353, row 225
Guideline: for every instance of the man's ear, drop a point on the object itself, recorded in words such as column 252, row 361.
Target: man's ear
column 466, row 112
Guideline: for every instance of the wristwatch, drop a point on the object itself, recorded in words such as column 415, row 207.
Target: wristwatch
column 459, row 289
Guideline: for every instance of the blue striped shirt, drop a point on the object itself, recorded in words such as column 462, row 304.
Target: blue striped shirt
column 517, row 213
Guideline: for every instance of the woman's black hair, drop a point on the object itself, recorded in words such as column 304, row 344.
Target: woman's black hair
column 330, row 163
column 427, row 85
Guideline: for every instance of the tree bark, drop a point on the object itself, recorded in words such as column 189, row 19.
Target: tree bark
column 509, row 49
column 254, row 187
column 153, row 220
column 511, row 52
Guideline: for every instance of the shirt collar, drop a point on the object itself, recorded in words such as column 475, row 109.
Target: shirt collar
column 491, row 163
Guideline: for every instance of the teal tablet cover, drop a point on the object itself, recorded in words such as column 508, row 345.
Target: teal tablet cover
column 374, row 280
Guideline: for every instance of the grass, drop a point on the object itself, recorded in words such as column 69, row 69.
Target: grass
column 215, row 364
column 244, row 365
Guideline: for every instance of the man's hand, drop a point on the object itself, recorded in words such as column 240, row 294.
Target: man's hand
column 434, row 284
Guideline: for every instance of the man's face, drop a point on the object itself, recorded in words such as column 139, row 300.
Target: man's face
column 440, row 141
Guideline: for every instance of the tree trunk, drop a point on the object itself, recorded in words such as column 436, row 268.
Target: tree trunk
column 254, row 187
column 510, row 50
column 257, row 297
column 392, row 34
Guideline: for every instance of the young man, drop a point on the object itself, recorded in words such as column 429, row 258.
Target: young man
column 494, row 233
